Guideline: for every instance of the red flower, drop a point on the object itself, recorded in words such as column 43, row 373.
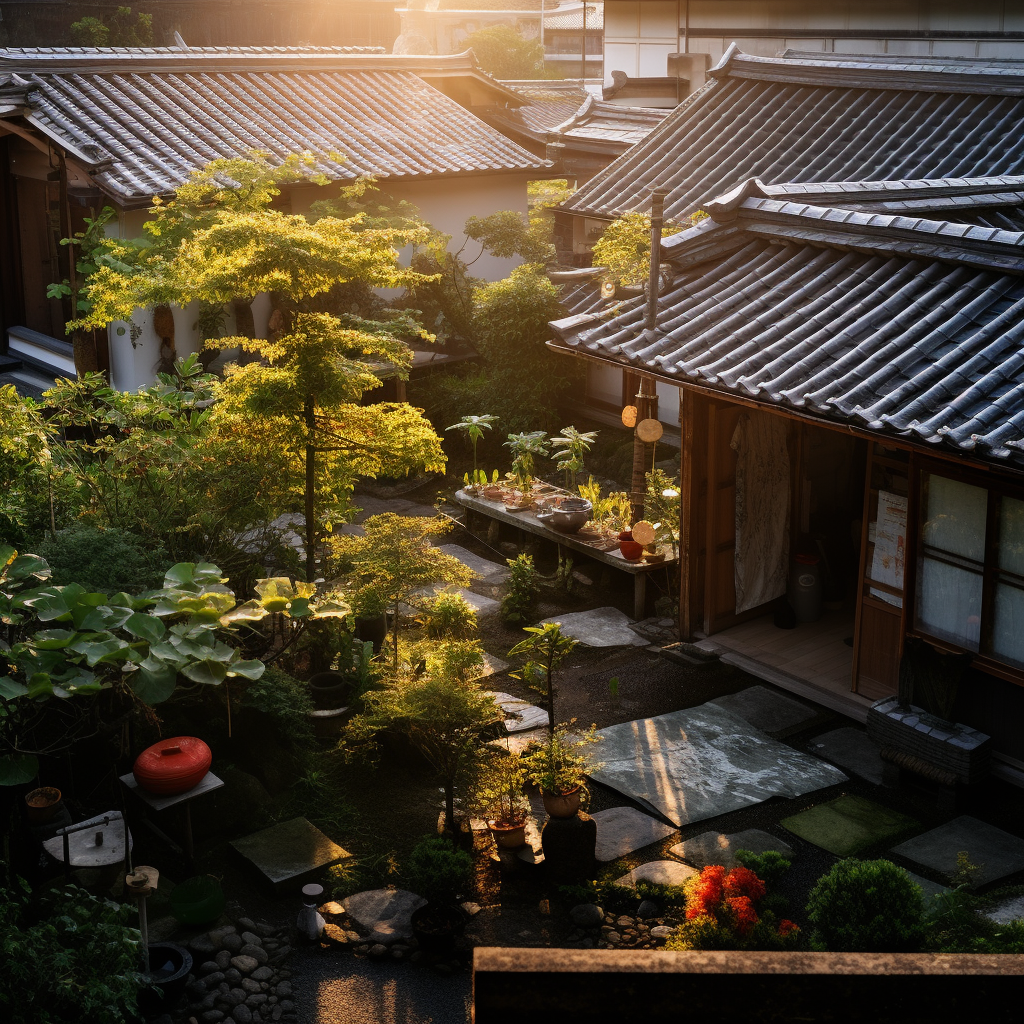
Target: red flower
column 705, row 896
column 744, row 912
column 743, row 882
column 787, row 927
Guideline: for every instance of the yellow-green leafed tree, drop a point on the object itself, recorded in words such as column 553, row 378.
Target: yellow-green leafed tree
column 219, row 240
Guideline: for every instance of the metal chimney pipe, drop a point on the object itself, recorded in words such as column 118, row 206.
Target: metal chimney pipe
column 654, row 280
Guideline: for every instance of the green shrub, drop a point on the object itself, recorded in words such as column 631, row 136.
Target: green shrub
column 78, row 962
column 867, row 906
column 449, row 615
column 438, row 870
column 287, row 701
column 520, row 590
column 103, row 560
column 769, row 866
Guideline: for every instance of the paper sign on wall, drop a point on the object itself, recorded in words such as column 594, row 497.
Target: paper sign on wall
column 890, row 554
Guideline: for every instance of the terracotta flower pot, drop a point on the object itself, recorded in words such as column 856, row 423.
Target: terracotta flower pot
column 508, row 837
column 562, row 805
column 631, row 550
column 42, row 805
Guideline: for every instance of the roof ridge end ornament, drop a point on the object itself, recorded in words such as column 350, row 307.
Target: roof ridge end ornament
column 723, row 208
column 180, row 43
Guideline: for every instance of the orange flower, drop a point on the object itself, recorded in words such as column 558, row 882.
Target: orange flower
column 744, row 912
column 787, row 927
column 743, row 882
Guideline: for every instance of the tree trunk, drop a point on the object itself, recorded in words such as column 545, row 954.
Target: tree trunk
column 310, row 490
column 449, row 808
column 83, row 346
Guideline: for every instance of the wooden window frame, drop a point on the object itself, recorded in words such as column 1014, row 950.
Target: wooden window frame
column 995, row 487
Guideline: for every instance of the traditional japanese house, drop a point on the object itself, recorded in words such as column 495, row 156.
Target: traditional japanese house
column 849, row 366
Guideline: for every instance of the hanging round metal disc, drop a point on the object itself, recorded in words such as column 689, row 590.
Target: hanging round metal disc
column 644, row 532
column 649, row 430
column 629, row 416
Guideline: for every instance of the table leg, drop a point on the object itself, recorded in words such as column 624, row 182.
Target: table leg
column 639, row 595
column 189, row 850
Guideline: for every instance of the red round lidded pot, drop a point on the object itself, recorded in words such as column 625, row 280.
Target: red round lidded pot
column 172, row 766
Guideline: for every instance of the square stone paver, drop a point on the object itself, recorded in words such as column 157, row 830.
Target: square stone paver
column 705, row 761
column 660, row 872
column 928, row 887
column 599, row 627
column 995, row 852
column 717, row 848
column 492, row 666
column 483, row 567
column 849, row 825
column 290, row 854
column 851, row 749
column 385, row 913
column 621, row 830
column 766, row 710
column 522, row 716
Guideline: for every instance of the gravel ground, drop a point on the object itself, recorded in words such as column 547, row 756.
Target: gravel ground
column 338, row 988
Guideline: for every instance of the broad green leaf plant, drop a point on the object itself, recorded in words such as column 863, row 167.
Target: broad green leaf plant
column 475, row 426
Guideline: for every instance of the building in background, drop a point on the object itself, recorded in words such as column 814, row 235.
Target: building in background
column 574, row 40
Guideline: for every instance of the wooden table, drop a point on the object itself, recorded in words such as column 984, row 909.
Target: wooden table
column 529, row 522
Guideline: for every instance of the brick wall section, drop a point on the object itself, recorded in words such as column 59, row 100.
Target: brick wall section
column 955, row 748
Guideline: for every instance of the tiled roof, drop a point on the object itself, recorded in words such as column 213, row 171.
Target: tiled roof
column 819, row 118
column 572, row 20
column 907, row 327
column 610, row 124
column 548, row 104
column 140, row 124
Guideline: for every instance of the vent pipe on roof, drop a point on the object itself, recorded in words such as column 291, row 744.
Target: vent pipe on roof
column 654, row 280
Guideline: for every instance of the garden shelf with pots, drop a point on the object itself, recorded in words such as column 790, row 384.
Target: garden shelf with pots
column 533, row 515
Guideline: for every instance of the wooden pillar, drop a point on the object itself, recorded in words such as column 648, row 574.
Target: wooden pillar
column 689, row 498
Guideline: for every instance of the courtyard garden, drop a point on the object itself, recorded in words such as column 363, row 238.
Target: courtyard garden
column 289, row 687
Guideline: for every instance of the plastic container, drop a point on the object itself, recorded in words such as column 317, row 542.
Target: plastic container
column 172, row 766
column 805, row 590
column 198, row 900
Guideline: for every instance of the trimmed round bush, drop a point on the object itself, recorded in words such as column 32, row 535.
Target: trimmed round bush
column 867, row 906
column 438, row 870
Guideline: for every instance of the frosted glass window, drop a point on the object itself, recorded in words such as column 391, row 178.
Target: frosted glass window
column 949, row 602
column 1011, row 535
column 955, row 517
column 1008, row 623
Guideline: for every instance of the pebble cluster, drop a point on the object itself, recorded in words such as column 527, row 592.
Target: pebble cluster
column 238, row 975
column 597, row 930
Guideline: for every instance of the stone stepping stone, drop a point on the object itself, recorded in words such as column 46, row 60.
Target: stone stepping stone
column 928, row 887
column 599, row 627
column 853, row 750
column 658, row 872
column 767, row 710
column 621, row 830
column 1006, row 911
column 385, row 913
column 290, row 854
column 522, row 716
column 517, row 742
column 484, row 567
column 718, row 848
column 696, row 764
column 996, row 853
column 849, row 825
column 492, row 666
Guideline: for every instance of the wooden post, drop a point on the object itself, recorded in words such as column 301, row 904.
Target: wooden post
column 687, row 505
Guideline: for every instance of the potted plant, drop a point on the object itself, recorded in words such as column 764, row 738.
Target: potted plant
column 631, row 550
column 560, row 768
column 475, row 427
column 525, row 448
column 499, row 799
column 439, row 872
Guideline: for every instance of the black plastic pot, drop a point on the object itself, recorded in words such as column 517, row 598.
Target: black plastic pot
column 169, row 968
column 436, row 928
column 330, row 690
column 374, row 631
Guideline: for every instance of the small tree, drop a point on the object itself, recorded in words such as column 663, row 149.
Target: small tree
column 475, row 426
column 443, row 712
column 546, row 648
column 570, row 448
column 502, row 52
column 394, row 559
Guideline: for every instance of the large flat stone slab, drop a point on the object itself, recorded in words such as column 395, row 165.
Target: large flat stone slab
column 718, row 848
column 853, row 750
column 658, row 872
column 483, row 567
column 996, row 853
column 492, row 666
column 767, row 710
column 849, row 826
column 621, row 830
column 385, row 913
column 290, row 854
column 599, row 627
column 705, row 761
column 520, row 715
